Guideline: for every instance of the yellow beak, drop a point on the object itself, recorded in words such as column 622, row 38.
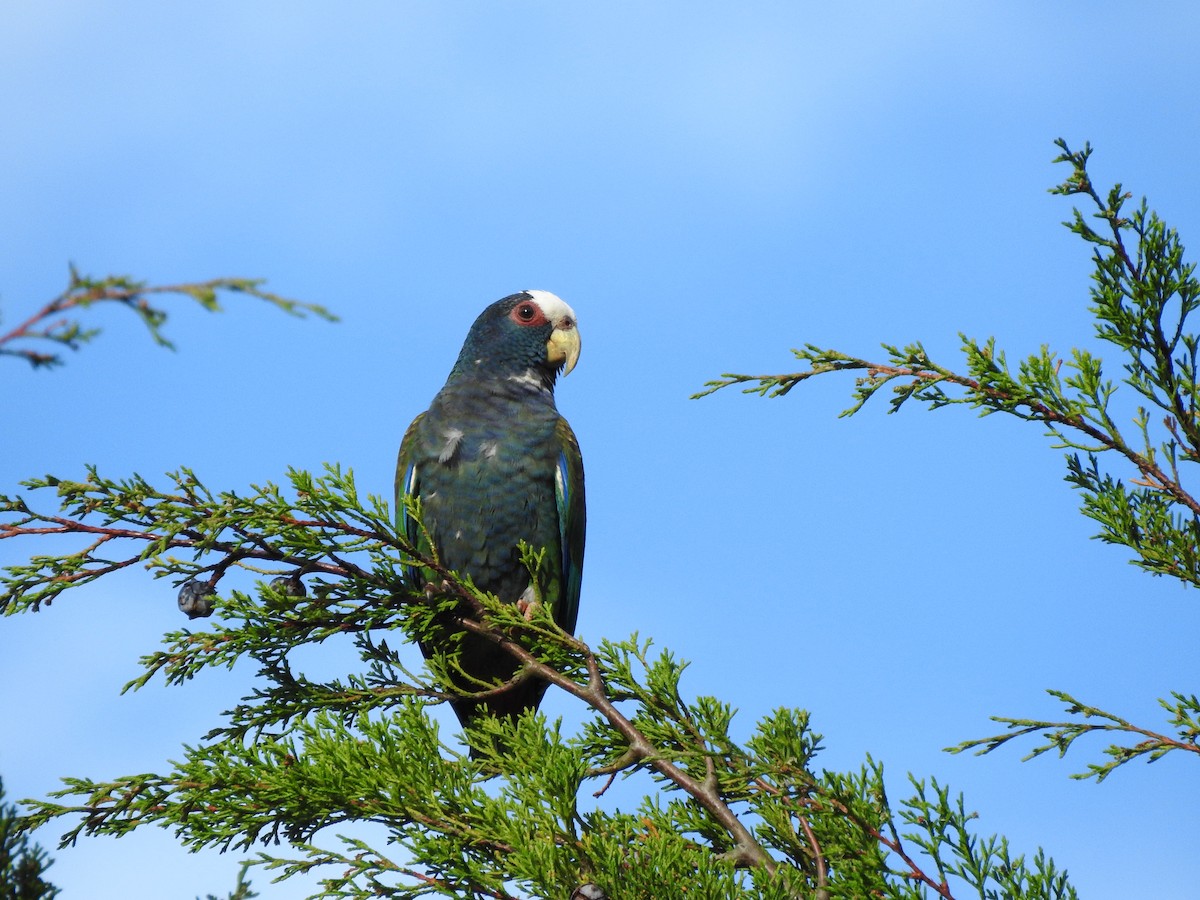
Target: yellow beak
column 563, row 347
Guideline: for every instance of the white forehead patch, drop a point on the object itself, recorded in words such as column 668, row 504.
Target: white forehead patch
column 553, row 306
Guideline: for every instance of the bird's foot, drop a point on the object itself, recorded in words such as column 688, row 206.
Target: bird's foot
column 432, row 590
column 527, row 608
column 528, row 603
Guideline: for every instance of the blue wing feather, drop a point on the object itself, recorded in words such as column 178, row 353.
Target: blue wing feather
column 569, row 494
column 407, row 483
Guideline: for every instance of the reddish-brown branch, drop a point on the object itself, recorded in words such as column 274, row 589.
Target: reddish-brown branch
column 23, row 330
column 443, row 885
column 74, row 526
column 891, row 843
column 77, row 296
column 1150, row 471
column 749, row 852
column 184, row 540
column 340, row 527
column 818, row 857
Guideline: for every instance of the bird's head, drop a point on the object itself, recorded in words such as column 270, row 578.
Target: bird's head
column 528, row 334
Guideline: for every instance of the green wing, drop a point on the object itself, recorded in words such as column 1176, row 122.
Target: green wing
column 408, row 482
column 572, row 522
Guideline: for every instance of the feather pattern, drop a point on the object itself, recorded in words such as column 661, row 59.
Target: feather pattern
column 494, row 464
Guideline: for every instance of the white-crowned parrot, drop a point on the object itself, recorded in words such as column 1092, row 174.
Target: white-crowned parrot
column 494, row 464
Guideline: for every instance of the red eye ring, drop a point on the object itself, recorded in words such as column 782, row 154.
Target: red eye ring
column 527, row 313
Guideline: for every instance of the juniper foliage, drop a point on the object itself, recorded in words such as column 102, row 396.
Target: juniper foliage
column 295, row 766
column 1132, row 477
column 309, row 770
column 23, row 864
column 59, row 325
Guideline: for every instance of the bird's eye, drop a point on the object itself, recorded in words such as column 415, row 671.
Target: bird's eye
column 527, row 314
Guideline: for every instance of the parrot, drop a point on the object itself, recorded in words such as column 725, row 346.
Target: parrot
column 494, row 464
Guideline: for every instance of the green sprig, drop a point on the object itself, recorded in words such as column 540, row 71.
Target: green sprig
column 56, row 326
column 1133, row 480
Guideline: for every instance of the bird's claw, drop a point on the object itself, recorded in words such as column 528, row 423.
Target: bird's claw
column 527, row 608
column 432, row 590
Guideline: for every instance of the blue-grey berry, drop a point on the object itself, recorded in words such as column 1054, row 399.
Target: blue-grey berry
column 195, row 599
column 286, row 584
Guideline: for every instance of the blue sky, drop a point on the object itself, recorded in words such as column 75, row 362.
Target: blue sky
column 707, row 185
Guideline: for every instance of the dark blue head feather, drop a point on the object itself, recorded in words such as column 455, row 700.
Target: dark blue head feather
column 510, row 337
